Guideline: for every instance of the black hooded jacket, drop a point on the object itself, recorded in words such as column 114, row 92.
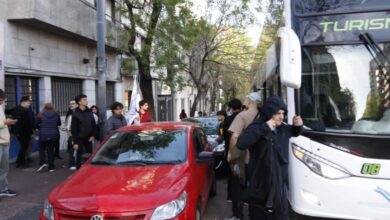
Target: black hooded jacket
column 258, row 138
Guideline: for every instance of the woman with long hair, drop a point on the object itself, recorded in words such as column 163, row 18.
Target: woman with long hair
column 48, row 123
column 68, row 121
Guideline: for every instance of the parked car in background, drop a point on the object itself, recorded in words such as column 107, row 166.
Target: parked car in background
column 210, row 125
column 151, row 171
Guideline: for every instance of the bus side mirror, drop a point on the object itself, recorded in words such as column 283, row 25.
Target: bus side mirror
column 290, row 58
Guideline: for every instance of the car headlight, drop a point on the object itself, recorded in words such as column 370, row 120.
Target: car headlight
column 171, row 209
column 319, row 165
column 219, row 148
column 48, row 210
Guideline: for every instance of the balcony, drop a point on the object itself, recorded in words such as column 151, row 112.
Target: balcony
column 71, row 18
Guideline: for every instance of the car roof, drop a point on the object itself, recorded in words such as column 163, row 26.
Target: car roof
column 160, row 125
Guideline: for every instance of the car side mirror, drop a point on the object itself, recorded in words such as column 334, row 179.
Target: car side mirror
column 205, row 156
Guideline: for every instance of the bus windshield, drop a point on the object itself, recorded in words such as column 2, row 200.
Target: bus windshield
column 323, row 6
column 345, row 90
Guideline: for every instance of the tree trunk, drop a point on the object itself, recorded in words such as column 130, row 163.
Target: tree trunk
column 213, row 98
column 196, row 100
column 146, row 85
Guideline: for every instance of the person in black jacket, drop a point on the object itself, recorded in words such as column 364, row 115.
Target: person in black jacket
column 83, row 129
column 233, row 187
column 23, row 129
column 267, row 140
column 48, row 122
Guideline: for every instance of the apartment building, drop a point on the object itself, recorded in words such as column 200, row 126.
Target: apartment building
column 48, row 51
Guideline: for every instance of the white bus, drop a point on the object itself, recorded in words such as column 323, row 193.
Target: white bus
column 329, row 60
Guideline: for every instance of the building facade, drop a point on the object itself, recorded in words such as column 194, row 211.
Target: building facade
column 48, row 51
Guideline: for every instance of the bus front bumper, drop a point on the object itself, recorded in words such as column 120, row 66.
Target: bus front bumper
column 349, row 198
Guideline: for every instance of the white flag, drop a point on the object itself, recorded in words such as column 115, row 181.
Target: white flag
column 136, row 96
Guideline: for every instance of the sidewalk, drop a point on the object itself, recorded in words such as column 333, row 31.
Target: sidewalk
column 32, row 189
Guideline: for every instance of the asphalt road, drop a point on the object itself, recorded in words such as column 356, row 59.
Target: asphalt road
column 33, row 188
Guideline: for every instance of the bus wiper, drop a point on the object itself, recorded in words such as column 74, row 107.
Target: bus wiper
column 374, row 49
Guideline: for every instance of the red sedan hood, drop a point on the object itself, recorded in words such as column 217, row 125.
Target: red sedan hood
column 120, row 189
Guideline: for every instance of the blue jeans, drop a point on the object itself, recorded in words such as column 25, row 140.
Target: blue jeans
column 4, row 166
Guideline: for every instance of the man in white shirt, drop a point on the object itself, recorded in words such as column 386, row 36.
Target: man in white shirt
column 4, row 148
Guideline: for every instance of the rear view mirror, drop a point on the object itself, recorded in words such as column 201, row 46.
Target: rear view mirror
column 290, row 58
column 205, row 156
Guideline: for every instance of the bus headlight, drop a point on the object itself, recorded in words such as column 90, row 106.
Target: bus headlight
column 171, row 209
column 319, row 165
column 48, row 210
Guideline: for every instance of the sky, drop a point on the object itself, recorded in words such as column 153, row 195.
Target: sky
column 253, row 31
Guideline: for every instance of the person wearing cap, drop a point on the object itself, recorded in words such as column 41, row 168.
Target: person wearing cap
column 23, row 129
column 237, row 158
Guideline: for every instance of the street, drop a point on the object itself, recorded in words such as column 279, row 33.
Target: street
column 33, row 188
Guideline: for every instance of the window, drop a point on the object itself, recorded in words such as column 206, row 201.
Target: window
column 10, row 91
column 345, row 90
column 110, row 10
column 64, row 90
column 315, row 6
column 199, row 141
column 16, row 87
column 146, row 147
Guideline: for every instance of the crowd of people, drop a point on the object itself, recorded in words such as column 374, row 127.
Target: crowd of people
column 84, row 127
column 255, row 135
column 256, row 142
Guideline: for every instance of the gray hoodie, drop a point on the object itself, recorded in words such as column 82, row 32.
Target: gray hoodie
column 113, row 123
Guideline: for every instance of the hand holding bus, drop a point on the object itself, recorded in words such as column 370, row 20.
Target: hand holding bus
column 297, row 121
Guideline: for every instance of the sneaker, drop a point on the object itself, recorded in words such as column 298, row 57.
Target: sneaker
column 41, row 167
column 72, row 168
column 7, row 192
column 51, row 170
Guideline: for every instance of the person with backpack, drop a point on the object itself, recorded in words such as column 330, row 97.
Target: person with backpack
column 267, row 140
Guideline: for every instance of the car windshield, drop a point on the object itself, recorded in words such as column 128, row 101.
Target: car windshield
column 210, row 124
column 344, row 89
column 143, row 147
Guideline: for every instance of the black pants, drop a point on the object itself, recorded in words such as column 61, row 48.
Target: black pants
column 47, row 147
column 257, row 212
column 84, row 147
column 72, row 159
column 57, row 147
column 235, row 192
column 24, row 142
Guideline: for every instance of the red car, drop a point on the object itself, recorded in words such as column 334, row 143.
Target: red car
column 152, row 171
